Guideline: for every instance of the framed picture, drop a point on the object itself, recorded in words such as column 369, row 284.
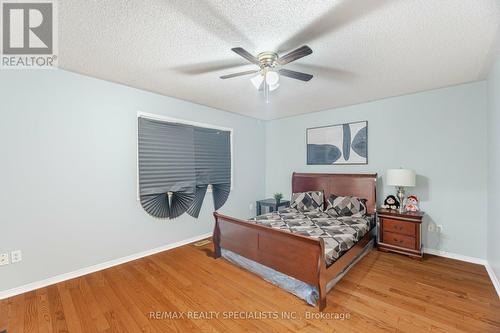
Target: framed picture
column 338, row 144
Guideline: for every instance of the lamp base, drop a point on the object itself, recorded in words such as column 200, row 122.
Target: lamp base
column 401, row 197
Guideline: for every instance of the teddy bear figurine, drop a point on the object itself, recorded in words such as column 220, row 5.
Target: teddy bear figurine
column 391, row 202
column 412, row 204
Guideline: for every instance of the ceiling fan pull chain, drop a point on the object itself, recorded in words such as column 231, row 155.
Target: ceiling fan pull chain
column 266, row 87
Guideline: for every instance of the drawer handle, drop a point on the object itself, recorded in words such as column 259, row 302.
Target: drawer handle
column 398, row 240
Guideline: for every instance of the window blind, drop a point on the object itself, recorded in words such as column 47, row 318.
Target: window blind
column 177, row 163
column 212, row 149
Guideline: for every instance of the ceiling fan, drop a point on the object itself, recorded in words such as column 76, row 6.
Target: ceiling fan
column 271, row 67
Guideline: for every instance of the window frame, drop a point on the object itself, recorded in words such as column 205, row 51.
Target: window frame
column 168, row 119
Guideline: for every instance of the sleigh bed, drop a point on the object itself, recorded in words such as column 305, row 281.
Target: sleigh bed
column 299, row 260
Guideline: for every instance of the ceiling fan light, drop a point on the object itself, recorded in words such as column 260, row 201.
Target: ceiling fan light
column 257, row 80
column 272, row 78
column 274, row 87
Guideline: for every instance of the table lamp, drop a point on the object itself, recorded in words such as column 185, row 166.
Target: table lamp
column 401, row 178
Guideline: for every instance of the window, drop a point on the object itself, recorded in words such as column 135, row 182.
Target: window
column 177, row 163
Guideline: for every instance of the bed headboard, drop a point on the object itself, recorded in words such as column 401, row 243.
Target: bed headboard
column 359, row 185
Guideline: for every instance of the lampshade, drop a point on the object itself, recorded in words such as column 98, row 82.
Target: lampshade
column 401, row 177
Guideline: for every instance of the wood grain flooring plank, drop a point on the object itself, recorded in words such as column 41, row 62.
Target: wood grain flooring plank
column 56, row 310
column 16, row 314
column 31, row 313
column 117, row 293
column 72, row 319
column 4, row 313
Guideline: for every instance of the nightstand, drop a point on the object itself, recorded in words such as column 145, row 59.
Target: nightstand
column 271, row 203
column 400, row 232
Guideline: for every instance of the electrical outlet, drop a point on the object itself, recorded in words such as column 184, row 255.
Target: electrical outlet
column 430, row 227
column 4, row 259
column 16, row 256
column 439, row 228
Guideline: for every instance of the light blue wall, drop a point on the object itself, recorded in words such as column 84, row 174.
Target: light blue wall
column 440, row 133
column 494, row 168
column 68, row 172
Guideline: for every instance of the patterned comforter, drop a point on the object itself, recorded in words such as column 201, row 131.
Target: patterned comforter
column 339, row 233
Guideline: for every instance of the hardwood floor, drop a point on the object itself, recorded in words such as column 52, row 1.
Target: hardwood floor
column 383, row 293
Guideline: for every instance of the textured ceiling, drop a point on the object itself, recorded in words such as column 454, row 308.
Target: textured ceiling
column 363, row 50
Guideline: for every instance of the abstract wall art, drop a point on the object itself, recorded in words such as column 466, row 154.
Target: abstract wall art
column 338, row 144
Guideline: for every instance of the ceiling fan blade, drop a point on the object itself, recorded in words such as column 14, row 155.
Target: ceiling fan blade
column 245, row 54
column 228, row 76
column 295, row 75
column 327, row 72
column 210, row 67
column 295, row 54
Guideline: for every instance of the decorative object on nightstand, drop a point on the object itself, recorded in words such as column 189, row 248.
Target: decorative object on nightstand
column 271, row 203
column 391, row 202
column 412, row 204
column 278, row 197
column 400, row 232
column 401, row 178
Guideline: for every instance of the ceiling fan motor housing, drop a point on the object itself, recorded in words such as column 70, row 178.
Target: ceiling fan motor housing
column 268, row 60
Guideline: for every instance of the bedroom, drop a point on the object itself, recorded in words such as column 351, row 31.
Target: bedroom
column 413, row 85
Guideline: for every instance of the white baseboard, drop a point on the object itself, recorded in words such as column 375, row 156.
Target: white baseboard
column 456, row 256
column 473, row 260
column 493, row 278
column 91, row 269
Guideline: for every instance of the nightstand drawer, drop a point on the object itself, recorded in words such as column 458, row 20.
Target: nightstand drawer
column 398, row 227
column 398, row 240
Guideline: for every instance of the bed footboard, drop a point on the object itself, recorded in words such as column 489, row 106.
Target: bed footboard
column 295, row 255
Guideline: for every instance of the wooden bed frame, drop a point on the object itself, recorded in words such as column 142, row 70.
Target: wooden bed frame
column 295, row 255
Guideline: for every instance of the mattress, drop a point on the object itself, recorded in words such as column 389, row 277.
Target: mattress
column 339, row 233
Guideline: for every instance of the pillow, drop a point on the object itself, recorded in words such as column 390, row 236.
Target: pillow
column 347, row 206
column 303, row 201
